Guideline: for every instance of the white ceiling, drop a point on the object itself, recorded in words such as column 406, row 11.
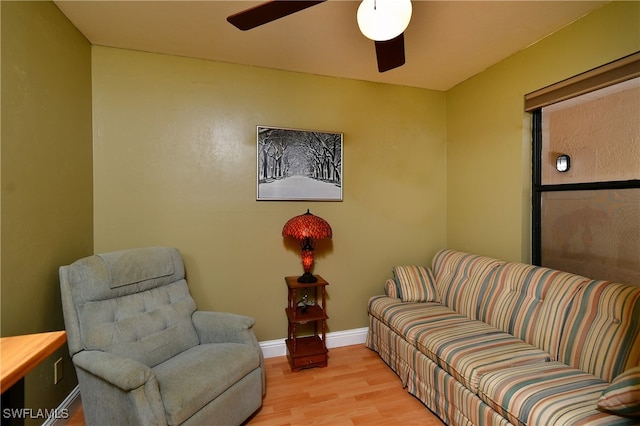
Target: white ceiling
column 446, row 42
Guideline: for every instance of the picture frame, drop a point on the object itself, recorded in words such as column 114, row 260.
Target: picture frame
column 298, row 165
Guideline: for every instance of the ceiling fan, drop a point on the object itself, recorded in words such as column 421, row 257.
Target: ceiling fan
column 383, row 21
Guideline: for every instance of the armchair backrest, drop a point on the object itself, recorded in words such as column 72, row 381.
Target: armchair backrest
column 134, row 303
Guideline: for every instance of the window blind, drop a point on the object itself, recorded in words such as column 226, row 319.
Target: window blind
column 614, row 72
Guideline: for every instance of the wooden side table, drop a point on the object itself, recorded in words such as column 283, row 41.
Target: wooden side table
column 306, row 351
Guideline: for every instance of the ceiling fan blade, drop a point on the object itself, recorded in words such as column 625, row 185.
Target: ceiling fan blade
column 267, row 12
column 390, row 53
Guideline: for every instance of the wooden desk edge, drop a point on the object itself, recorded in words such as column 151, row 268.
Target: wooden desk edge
column 46, row 344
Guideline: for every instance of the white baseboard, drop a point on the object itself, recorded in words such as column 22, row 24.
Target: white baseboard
column 270, row 349
column 69, row 406
column 336, row 339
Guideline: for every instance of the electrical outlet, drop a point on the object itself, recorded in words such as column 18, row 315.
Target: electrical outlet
column 57, row 371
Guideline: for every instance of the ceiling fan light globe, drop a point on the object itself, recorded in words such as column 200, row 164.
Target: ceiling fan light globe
column 383, row 20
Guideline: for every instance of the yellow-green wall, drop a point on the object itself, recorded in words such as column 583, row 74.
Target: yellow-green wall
column 46, row 175
column 175, row 164
column 488, row 133
column 175, row 158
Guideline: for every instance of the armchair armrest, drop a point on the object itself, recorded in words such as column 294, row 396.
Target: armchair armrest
column 125, row 373
column 222, row 327
column 118, row 390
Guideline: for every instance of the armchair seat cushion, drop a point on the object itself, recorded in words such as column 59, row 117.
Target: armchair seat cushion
column 191, row 379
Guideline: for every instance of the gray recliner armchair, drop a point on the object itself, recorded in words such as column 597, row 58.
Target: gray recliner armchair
column 142, row 352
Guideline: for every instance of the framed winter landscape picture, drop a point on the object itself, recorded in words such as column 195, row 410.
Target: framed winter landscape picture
column 299, row 164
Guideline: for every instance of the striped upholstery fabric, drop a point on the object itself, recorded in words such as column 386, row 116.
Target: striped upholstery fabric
column 390, row 288
column 547, row 394
column 546, row 346
column 531, row 303
column 446, row 397
column 392, row 348
column 623, row 395
column 408, row 319
column 468, row 349
column 462, row 280
column 602, row 334
column 415, row 284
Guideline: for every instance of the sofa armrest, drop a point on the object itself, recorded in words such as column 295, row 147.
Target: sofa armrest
column 222, row 327
column 125, row 373
column 390, row 288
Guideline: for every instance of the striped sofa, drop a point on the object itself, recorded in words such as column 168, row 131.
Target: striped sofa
column 482, row 341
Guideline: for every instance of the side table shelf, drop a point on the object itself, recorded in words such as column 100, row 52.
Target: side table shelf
column 306, row 351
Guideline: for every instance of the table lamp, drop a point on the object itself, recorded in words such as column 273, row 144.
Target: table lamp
column 307, row 228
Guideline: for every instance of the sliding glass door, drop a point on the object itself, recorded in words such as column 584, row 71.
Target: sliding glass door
column 586, row 183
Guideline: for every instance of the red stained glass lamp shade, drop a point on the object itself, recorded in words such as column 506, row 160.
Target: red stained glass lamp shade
column 307, row 228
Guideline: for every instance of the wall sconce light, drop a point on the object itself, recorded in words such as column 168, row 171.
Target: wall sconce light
column 563, row 163
column 307, row 228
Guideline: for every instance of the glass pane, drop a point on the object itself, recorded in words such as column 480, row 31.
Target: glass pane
column 599, row 131
column 593, row 233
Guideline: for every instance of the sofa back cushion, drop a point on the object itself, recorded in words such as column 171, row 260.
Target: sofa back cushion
column 463, row 280
column 602, row 331
column 590, row 325
column 531, row 303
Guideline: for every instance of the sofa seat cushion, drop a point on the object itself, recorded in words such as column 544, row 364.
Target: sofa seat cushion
column 468, row 349
column 547, row 394
column 198, row 375
column 407, row 319
column 465, row 348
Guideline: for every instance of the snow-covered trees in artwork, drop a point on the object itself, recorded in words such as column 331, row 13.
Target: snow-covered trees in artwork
column 299, row 164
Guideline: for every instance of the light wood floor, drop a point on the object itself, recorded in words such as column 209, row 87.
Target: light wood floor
column 357, row 388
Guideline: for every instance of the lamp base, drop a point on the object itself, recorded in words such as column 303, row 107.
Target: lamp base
column 307, row 278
